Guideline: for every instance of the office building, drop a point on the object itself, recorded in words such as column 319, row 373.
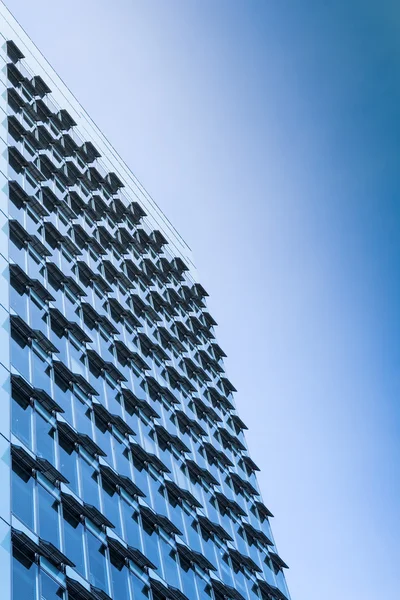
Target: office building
column 124, row 468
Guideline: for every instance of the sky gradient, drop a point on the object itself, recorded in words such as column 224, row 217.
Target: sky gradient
column 269, row 133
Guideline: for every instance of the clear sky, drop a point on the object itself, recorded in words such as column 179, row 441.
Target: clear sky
column 269, row 133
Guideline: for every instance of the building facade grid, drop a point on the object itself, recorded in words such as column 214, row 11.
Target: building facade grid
column 130, row 475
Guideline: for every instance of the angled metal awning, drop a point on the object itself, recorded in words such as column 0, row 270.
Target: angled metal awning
column 148, row 458
column 40, row 86
column 204, row 408
column 69, row 377
column 96, row 516
column 226, row 591
column 76, row 591
column 190, row 424
column 158, row 238
column 50, row 472
column 64, row 120
column 195, row 557
column 228, row 385
column 22, row 387
column 271, row 592
column 201, row 473
column 13, row 51
column 63, row 323
column 140, row 559
column 263, row 511
column 132, row 489
column 126, row 552
column 161, row 390
column 257, row 534
column 159, row 520
column 90, row 446
column 163, row 591
column 171, row 439
column 199, row 290
column 111, row 419
column 250, row 463
column 217, row 454
column 30, row 547
column 214, row 528
column 132, row 355
column 88, row 276
column 277, row 560
column 178, row 264
column 218, row 398
column 29, row 462
column 85, row 386
column 72, row 505
column 230, row 504
column 230, row 440
column 110, row 476
column 123, row 313
column 244, row 485
column 30, row 334
column 134, row 402
column 68, row 432
column 238, row 422
column 54, row 555
column 182, row 494
column 243, row 560
column 99, row 594
column 89, row 152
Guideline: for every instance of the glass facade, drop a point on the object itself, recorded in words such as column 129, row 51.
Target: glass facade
column 130, row 474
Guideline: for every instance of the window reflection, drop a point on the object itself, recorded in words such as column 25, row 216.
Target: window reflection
column 22, row 485
column 49, row 589
column 44, row 433
column 48, row 516
column 119, row 578
column 21, row 419
column 97, row 563
column 131, row 526
column 73, row 539
column 89, row 483
column 24, row 574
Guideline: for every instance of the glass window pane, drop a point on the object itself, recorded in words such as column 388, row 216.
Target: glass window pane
column 20, row 355
column 21, row 415
column 97, row 562
column 140, row 589
column 188, row 580
column 44, row 438
column 89, row 484
column 23, row 577
column 141, row 476
column 169, row 563
column 49, row 589
column 83, row 422
column 111, row 505
column 122, row 458
column 131, row 526
column 40, row 373
column 103, row 437
column 68, row 463
column 48, row 517
column 151, row 543
column 22, row 495
column 38, row 316
column 73, row 539
column 63, row 397
column 19, row 300
column 119, row 576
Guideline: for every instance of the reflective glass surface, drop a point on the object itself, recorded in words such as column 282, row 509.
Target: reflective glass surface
column 130, row 463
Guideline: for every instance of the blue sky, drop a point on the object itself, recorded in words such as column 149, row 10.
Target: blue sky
column 269, row 133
